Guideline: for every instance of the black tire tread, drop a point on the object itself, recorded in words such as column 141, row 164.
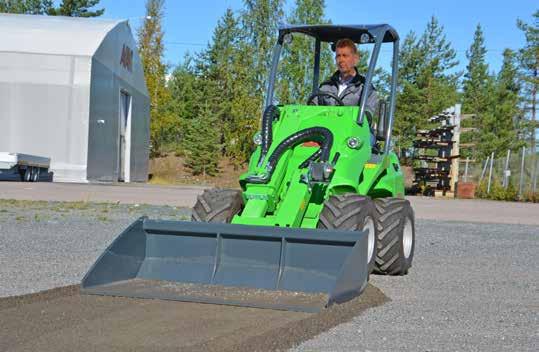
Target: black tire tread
column 341, row 211
column 346, row 212
column 390, row 215
column 217, row 205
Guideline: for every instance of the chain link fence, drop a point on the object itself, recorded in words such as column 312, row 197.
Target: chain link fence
column 516, row 174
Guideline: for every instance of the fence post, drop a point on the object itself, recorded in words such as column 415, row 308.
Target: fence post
column 506, row 171
column 490, row 172
column 521, row 173
column 484, row 169
column 535, row 172
column 466, row 169
column 455, row 150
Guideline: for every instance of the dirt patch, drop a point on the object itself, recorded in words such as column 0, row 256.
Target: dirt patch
column 171, row 169
column 64, row 320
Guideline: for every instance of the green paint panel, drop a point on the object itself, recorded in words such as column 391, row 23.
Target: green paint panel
column 286, row 199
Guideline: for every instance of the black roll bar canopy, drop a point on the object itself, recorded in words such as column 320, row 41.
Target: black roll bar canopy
column 332, row 33
column 361, row 34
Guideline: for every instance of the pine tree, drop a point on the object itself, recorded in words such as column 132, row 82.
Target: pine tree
column 218, row 80
column 77, row 8
column 437, row 50
column 296, row 67
column 201, row 142
column 438, row 84
column 427, row 83
column 504, row 110
column 184, row 102
column 151, row 50
column 28, row 7
column 475, row 98
column 245, row 108
column 478, row 90
column 410, row 59
column 408, row 115
column 529, row 66
column 227, row 68
column 71, row 8
column 260, row 20
column 220, row 70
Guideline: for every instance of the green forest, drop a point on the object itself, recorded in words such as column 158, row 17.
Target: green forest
column 208, row 106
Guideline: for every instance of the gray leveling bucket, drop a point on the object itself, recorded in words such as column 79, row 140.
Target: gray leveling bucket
column 254, row 266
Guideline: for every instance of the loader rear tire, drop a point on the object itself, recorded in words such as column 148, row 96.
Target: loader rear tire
column 217, row 205
column 395, row 240
column 351, row 212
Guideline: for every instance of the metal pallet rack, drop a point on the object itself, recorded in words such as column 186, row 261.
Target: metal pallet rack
column 436, row 149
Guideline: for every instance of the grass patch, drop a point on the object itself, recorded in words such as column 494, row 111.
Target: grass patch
column 77, row 205
column 161, row 180
column 33, row 204
column 61, row 207
column 103, row 218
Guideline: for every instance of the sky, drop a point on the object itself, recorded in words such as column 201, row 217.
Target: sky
column 189, row 25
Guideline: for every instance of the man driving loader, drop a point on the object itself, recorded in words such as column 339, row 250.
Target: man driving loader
column 346, row 83
column 343, row 203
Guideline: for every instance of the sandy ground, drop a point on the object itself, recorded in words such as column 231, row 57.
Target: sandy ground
column 484, row 211
column 64, row 320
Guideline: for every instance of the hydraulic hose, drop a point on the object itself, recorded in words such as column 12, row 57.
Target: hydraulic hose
column 316, row 134
column 268, row 116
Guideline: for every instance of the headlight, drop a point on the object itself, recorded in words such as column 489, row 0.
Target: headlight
column 257, row 138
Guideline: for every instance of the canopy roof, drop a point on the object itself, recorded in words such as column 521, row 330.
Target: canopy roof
column 332, row 33
column 53, row 34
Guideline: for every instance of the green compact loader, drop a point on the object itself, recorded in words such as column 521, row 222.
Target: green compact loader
column 320, row 208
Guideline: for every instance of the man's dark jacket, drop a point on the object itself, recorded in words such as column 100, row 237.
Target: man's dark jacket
column 351, row 95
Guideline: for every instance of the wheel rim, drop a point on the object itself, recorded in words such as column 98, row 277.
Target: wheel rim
column 368, row 225
column 407, row 238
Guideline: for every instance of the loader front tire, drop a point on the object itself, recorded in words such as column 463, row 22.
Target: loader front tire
column 395, row 240
column 351, row 212
column 217, row 205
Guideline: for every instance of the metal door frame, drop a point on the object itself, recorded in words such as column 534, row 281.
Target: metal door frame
column 127, row 145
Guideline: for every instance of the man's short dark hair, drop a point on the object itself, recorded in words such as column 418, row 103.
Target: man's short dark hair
column 346, row 43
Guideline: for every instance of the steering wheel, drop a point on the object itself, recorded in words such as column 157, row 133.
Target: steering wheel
column 320, row 93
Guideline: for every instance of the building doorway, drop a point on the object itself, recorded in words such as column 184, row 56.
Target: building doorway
column 124, row 144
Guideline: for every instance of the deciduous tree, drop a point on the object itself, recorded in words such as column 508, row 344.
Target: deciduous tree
column 77, row 8
column 151, row 50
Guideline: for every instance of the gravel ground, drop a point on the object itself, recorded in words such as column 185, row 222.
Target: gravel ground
column 51, row 244
column 473, row 287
